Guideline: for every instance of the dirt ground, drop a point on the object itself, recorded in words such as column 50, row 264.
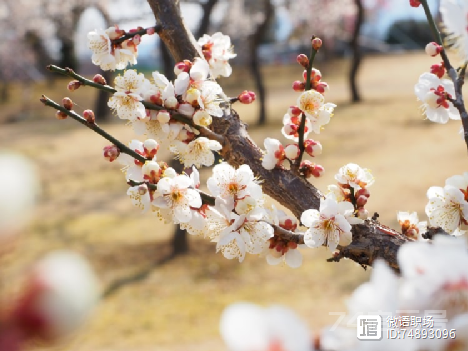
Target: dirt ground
column 176, row 304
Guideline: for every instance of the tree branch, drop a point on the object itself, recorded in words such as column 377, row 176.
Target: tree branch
column 370, row 240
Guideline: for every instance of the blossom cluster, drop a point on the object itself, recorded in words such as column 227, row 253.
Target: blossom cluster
column 110, row 52
column 311, row 111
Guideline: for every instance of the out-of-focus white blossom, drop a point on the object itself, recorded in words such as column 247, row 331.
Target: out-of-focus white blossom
column 454, row 16
column 19, row 187
column 62, row 292
column 247, row 327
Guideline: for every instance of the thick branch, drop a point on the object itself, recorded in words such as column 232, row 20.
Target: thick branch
column 370, row 240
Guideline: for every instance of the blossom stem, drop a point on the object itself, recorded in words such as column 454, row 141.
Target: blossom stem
column 206, row 199
column 301, row 131
column 457, row 79
column 142, row 31
column 148, row 105
column 122, row 147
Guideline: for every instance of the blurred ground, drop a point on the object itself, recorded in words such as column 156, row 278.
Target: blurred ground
column 177, row 306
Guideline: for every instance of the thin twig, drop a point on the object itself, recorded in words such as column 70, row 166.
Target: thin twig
column 458, row 80
column 142, row 31
column 301, row 131
column 148, row 105
column 122, row 147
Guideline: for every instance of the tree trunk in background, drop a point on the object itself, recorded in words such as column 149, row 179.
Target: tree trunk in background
column 254, row 63
column 357, row 54
column 68, row 55
column 204, row 25
column 101, row 110
column 4, row 92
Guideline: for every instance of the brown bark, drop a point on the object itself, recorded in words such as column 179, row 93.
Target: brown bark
column 370, row 240
column 357, row 54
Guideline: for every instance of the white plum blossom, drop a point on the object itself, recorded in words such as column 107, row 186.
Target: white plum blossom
column 312, row 103
column 247, row 327
column 410, row 225
column 140, row 196
column 99, row 43
column 434, row 93
column 132, row 167
column 109, row 56
column 217, row 50
column 275, row 154
column 231, row 184
column 330, row 225
column 126, row 102
column 198, row 74
column 198, row 152
column 247, row 233
column 175, row 195
column 354, row 176
column 208, row 100
column 447, row 208
column 454, row 16
column 63, row 292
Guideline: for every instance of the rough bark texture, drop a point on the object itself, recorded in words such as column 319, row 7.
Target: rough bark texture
column 370, row 240
column 357, row 54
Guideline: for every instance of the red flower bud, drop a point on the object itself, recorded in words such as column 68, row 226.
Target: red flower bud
column 99, row 79
column 88, row 115
column 298, row 86
column 111, row 152
column 303, row 60
column 67, row 103
column 73, row 85
column 246, row 97
column 316, row 43
column 61, row 115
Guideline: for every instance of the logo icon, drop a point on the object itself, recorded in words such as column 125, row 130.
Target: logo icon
column 369, row 327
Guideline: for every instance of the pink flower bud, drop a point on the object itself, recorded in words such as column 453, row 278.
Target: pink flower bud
column 150, row 30
column 73, row 85
column 99, row 79
column 163, row 116
column 298, row 86
column 156, row 99
column 322, row 87
column 151, row 147
column 181, row 67
column 303, row 60
column 290, row 129
column 363, row 191
column 312, row 147
column 246, row 97
column 433, row 49
column 288, row 223
column 361, row 201
column 88, row 115
column 61, row 115
column 292, row 151
column 296, row 119
column 316, row 43
column 67, row 103
column 111, row 152
column 415, row 3
column 309, row 169
column 294, row 111
column 137, row 39
column 438, row 69
column 315, row 75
